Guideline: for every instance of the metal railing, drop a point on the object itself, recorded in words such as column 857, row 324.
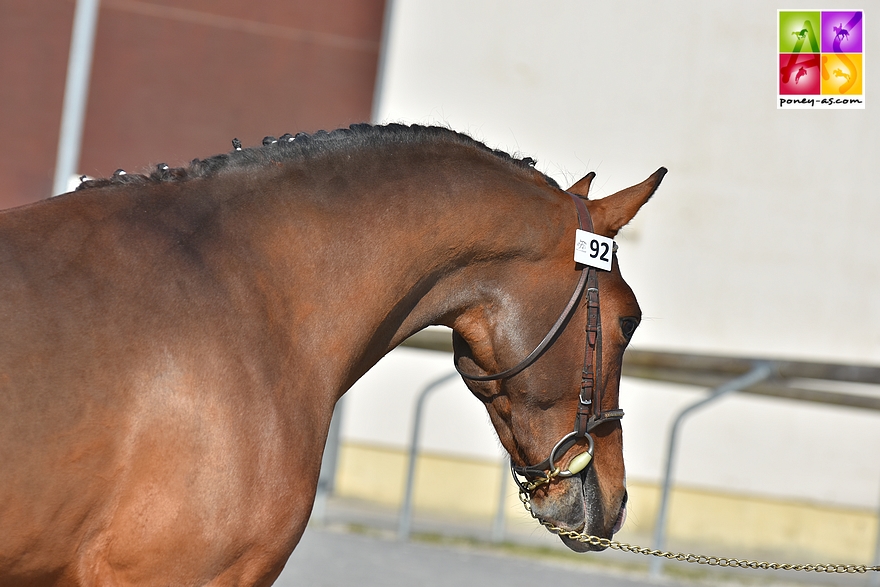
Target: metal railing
column 404, row 526
column 759, row 372
column 711, row 371
column 724, row 375
column 327, row 475
column 76, row 92
column 405, row 517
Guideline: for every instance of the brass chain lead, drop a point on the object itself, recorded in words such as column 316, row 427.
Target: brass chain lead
column 700, row 559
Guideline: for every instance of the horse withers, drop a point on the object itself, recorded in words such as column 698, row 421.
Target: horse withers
column 172, row 345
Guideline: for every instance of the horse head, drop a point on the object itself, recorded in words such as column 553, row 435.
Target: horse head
column 556, row 412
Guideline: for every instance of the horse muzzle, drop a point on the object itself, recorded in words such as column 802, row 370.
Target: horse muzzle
column 575, row 504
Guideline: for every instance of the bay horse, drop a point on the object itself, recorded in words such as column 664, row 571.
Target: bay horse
column 172, row 345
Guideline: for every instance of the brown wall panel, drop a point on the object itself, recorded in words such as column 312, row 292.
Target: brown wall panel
column 175, row 80
column 34, row 41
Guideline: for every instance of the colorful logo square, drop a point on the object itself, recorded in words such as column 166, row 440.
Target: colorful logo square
column 799, row 31
column 821, row 61
column 842, row 32
column 800, row 73
column 841, row 74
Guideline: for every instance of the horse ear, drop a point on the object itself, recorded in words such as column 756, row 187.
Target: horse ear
column 612, row 213
column 582, row 187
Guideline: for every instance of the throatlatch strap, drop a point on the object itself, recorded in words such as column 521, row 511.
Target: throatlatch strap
column 558, row 326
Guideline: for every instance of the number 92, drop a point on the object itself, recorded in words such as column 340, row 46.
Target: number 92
column 599, row 250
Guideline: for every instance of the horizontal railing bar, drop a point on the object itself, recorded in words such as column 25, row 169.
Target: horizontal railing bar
column 430, row 340
column 738, row 365
column 772, row 388
column 709, row 371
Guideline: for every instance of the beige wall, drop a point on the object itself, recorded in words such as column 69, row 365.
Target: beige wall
column 762, row 239
column 737, row 524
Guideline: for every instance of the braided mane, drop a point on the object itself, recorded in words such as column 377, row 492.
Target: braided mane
column 302, row 146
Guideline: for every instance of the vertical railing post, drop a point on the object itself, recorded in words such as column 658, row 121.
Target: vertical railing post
column 760, row 371
column 76, row 93
column 382, row 66
column 404, row 526
column 327, row 476
column 499, row 522
column 874, row 581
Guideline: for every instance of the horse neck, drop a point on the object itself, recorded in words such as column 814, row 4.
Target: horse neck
column 363, row 262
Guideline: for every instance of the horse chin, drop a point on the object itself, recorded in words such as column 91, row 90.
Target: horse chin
column 575, row 504
column 578, row 546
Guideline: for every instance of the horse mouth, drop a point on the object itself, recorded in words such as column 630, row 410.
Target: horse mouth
column 578, row 546
column 621, row 517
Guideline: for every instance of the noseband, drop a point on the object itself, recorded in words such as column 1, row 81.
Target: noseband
column 589, row 413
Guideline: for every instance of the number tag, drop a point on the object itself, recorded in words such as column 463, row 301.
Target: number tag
column 592, row 249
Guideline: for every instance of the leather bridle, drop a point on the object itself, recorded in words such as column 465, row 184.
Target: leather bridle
column 589, row 413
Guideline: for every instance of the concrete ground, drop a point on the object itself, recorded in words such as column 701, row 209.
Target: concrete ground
column 328, row 557
column 356, row 544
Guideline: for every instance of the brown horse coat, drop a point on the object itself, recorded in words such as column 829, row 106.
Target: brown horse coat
column 171, row 347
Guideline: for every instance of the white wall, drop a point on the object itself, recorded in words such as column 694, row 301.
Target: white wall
column 379, row 409
column 763, row 240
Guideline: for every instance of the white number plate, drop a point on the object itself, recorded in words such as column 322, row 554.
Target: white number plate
column 594, row 250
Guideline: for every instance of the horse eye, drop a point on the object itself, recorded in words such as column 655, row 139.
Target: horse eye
column 628, row 326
